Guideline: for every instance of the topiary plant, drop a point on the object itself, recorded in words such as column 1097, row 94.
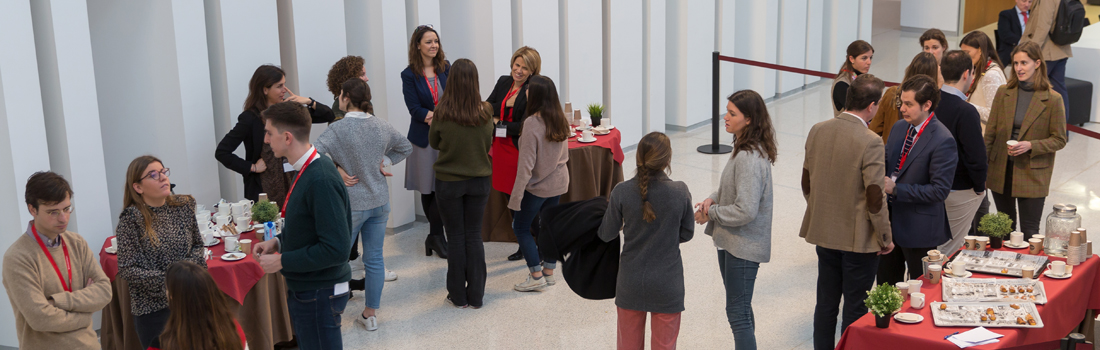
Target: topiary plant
column 883, row 300
column 265, row 211
column 996, row 225
column 595, row 113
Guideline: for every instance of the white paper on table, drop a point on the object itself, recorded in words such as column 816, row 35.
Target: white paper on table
column 975, row 337
column 964, row 344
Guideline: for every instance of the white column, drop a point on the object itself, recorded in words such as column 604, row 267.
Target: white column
column 623, row 104
column 676, row 63
column 23, row 148
column 540, row 31
column 504, row 36
column 814, row 22
column 726, row 39
column 792, row 42
column 757, row 39
column 866, row 17
column 699, row 39
column 474, row 40
column 67, row 79
column 315, row 40
column 654, row 65
column 421, row 12
column 241, row 36
column 377, row 31
column 196, row 102
column 584, row 52
column 839, row 31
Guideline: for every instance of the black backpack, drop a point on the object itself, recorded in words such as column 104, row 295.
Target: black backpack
column 1069, row 23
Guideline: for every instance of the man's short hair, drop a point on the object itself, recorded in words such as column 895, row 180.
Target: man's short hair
column 934, row 34
column 864, row 91
column 46, row 188
column 289, row 116
column 955, row 63
column 924, row 89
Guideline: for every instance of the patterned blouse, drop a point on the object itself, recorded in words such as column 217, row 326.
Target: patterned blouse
column 144, row 264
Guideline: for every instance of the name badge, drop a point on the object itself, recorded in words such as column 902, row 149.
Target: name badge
column 287, row 168
column 501, row 131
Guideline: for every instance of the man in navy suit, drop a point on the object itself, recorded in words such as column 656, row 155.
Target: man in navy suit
column 920, row 166
column 1010, row 27
column 964, row 123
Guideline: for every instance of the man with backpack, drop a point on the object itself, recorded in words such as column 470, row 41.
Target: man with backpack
column 1055, row 25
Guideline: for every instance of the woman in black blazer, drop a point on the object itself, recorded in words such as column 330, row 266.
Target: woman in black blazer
column 422, row 84
column 509, row 101
column 267, row 87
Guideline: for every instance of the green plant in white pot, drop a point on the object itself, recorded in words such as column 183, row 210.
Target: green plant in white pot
column 883, row 300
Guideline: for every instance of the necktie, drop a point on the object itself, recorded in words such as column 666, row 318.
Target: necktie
column 909, row 136
column 1025, row 17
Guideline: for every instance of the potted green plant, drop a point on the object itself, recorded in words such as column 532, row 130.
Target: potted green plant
column 595, row 112
column 883, row 300
column 996, row 226
column 265, row 212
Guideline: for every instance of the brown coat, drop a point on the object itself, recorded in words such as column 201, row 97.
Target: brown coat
column 1038, row 28
column 888, row 113
column 1044, row 126
column 842, row 179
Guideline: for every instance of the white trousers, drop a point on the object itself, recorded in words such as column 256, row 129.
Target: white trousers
column 961, row 207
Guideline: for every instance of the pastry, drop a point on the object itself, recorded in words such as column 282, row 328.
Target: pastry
column 989, row 311
column 1004, row 289
column 1020, row 320
column 985, row 318
column 1004, row 270
column 1014, row 306
column 992, row 317
column 943, row 306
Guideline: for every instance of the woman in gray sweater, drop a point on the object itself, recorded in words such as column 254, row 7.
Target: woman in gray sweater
column 739, row 214
column 364, row 145
column 651, row 271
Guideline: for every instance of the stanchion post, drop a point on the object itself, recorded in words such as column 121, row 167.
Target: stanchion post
column 714, row 147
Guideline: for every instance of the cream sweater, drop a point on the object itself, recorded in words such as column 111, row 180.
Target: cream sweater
column 46, row 316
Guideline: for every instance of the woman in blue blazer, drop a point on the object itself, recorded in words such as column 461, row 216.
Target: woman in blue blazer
column 422, row 85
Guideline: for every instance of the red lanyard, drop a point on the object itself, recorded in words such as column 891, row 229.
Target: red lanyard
column 309, row 161
column 68, row 267
column 431, row 87
column 504, row 103
column 921, row 131
column 975, row 82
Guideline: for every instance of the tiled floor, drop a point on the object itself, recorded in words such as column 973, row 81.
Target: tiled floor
column 413, row 313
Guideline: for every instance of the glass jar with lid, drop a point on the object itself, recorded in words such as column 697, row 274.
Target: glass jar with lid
column 1060, row 223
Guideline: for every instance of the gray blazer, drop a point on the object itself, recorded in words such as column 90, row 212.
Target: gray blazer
column 740, row 220
column 651, row 272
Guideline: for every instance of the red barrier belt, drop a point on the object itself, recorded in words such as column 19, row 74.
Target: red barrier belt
column 784, row 68
column 1083, row 131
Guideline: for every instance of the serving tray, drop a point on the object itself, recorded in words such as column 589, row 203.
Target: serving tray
column 998, row 262
column 991, row 289
column 968, row 314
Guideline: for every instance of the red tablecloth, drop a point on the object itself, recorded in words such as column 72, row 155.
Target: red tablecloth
column 1067, row 302
column 234, row 278
column 612, row 141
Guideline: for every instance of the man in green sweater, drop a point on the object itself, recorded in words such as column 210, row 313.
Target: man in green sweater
column 312, row 249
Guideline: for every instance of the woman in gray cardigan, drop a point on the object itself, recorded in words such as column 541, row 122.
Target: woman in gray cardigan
column 651, row 272
column 739, row 214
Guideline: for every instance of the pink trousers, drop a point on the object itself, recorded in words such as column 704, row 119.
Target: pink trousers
column 664, row 327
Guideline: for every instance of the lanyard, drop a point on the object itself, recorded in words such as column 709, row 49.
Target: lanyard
column 68, row 267
column 921, row 131
column 975, row 82
column 431, row 87
column 504, row 104
column 287, row 201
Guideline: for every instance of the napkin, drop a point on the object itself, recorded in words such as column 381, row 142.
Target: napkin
column 974, row 337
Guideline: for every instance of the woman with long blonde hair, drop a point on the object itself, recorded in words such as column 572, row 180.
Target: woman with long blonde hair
column 155, row 229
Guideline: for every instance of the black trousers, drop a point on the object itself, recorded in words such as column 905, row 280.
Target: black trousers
column 841, row 274
column 150, row 326
column 891, row 269
column 1031, row 209
column 431, row 210
column 465, row 206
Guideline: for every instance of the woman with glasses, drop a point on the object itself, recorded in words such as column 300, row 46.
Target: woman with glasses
column 422, row 84
column 155, row 229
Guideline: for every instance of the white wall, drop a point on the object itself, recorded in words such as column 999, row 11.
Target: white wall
column 624, row 106
column 654, row 46
column 540, row 31
column 925, row 14
column 585, row 53
column 757, row 37
column 793, row 24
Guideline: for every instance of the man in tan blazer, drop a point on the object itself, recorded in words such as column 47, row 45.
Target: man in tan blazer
column 846, row 216
column 1040, row 21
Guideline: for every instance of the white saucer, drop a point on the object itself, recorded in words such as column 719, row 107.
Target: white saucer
column 1010, row 245
column 1057, row 277
column 233, row 256
column 608, row 127
column 244, row 229
column 583, row 141
column 908, row 317
column 965, row 275
column 111, row 250
column 211, row 243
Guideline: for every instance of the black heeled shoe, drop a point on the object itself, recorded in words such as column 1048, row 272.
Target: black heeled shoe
column 437, row 244
column 518, row 255
column 357, row 284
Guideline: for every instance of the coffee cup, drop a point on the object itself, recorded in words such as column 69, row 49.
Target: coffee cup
column 1036, row 246
column 236, row 209
column 247, row 204
column 933, row 255
column 903, row 288
column 936, row 271
column 1075, row 238
column 958, row 267
column 200, row 207
column 587, row 136
column 1058, row 268
column 914, row 286
column 1028, row 272
column 1017, row 238
column 577, row 116
column 207, row 236
column 244, row 223
column 246, row 245
column 971, row 243
column 114, row 242
column 222, row 220
column 223, row 208
column 231, row 244
column 982, row 242
column 262, row 198
column 917, row 300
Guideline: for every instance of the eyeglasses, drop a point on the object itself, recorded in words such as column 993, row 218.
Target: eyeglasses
column 155, row 175
column 423, row 27
column 55, row 213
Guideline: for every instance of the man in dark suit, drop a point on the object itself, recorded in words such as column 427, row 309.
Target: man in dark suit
column 920, row 166
column 964, row 123
column 1010, row 27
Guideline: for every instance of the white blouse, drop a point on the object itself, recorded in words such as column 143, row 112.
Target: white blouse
column 982, row 98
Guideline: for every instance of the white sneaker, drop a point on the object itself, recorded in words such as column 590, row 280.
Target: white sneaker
column 391, row 276
column 531, row 284
column 370, row 322
column 550, row 280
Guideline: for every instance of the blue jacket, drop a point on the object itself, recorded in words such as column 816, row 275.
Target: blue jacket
column 918, row 217
column 418, row 98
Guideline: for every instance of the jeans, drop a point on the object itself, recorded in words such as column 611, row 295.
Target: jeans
column 371, row 225
column 150, row 326
column 315, row 315
column 1031, row 209
column 1056, row 71
column 465, row 206
column 739, row 276
column 530, row 206
column 841, row 274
